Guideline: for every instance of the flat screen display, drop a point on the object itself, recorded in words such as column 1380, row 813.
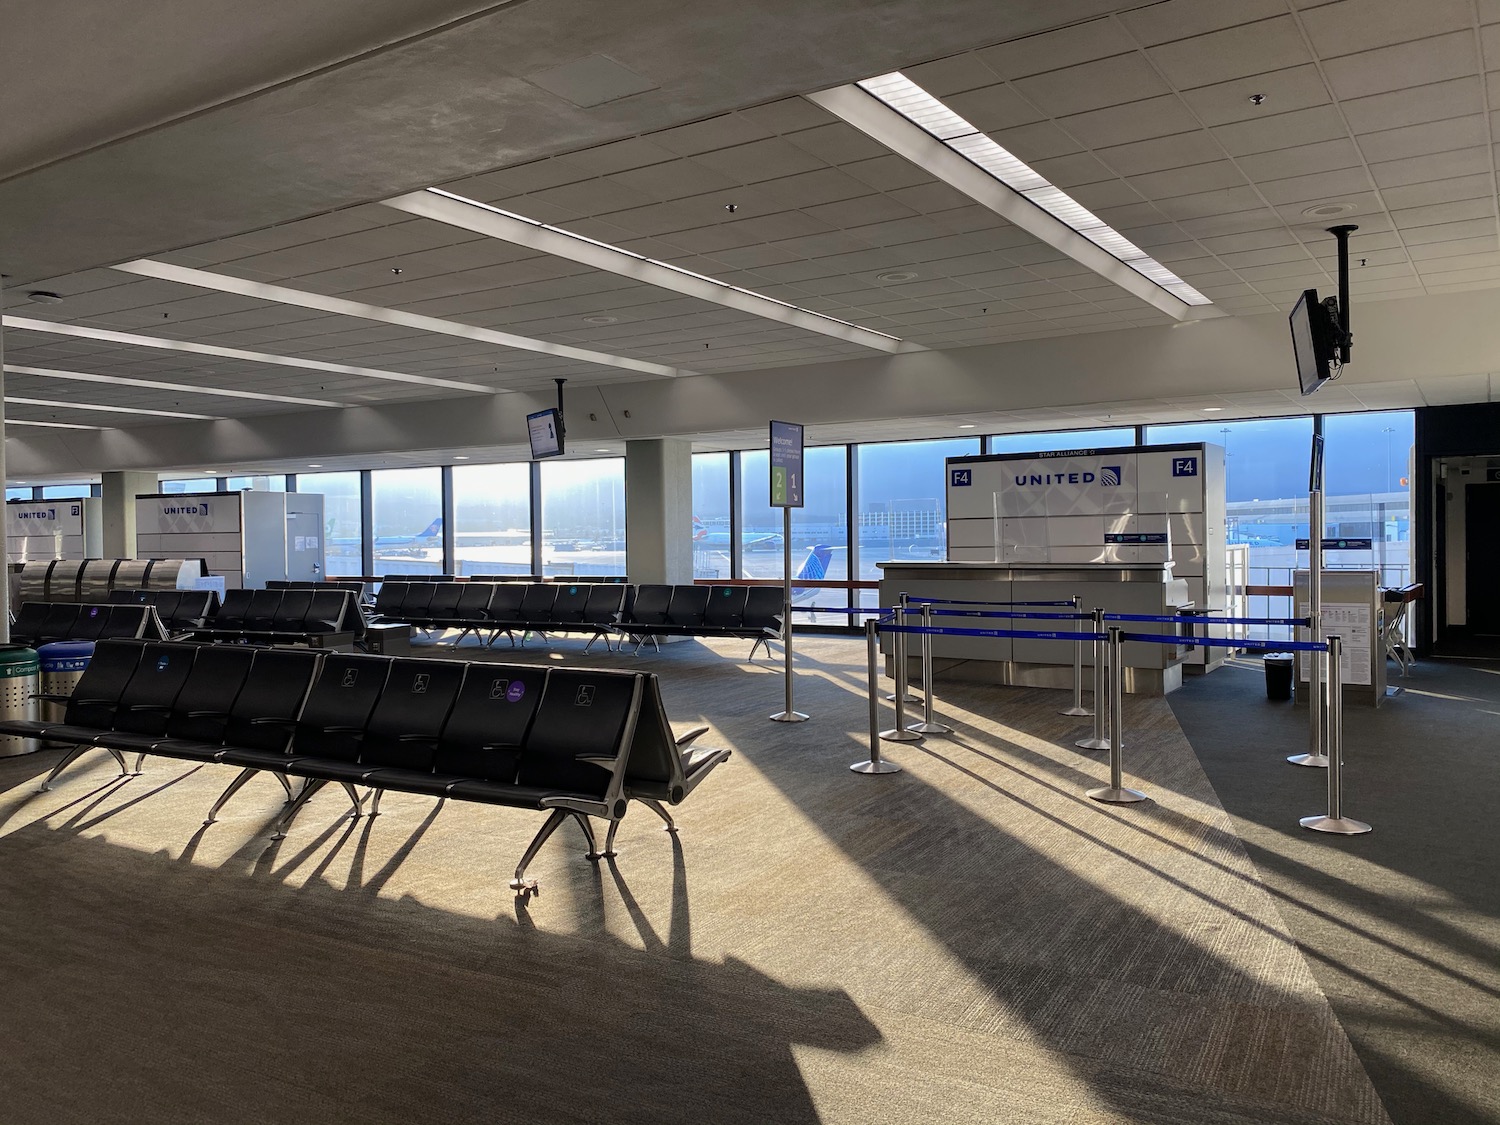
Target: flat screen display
column 1311, row 341
column 544, row 428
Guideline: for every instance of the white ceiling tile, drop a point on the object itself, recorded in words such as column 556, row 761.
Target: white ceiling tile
column 725, row 131
column 950, row 76
column 788, row 115
column 1298, row 87
column 1137, row 121
column 1472, row 231
column 1304, row 160
column 1454, row 98
column 1438, row 166
column 1351, row 26
column 1093, row 85
column 887, row 172
column 1444, row 212
column 760, row 160
column 1187, row 181
column 1211, row 203
column 1180, row 19
column 1105, row 193
column 1282, row 130
column 1334, row 185
column 1177, row 151
column 1070, row 171
column 1418, row 63
column 836, row 143
column 1489, row 42
column 1235, row 52
column 1052, row 50
column 673, row 179
column 1422, row 140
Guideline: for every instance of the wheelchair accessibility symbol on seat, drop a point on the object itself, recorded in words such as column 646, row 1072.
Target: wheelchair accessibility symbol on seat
column 585, row 696
column 419, row 683
column 350, row 675
column 497, row 688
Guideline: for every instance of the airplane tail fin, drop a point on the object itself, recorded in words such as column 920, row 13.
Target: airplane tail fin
column 432, row 530
column 815, row 566
column 699, row 531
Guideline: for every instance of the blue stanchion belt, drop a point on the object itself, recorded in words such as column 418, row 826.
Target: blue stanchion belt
column 837, row 609
column 1008, row 613
column 1195, row 619
column 1148, row 638
column 966, row 602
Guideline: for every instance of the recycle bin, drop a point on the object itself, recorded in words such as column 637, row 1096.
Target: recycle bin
column 62, row 664
column 18, row 684
column 1279, row 675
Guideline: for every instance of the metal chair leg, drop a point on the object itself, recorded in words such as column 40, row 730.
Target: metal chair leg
column 756, row 648
column 375, row 803
column 119, row 760
column 660, row 810
column 312, row 786
column 520, row 882
column 609, row 840
column 588, row 831
column 140, row 760
column 234, row 787
column 355, row 798
column 287, row 785
column 68, row 760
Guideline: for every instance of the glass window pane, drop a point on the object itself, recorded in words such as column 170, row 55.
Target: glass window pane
column 18, row 493
column 407, row 509
column 903, row 503
column 820, row 529
column 341, row 519
column 192, row 484
column 1367, row 490
column 492, row 519
column 583, row 516
column 1050, row 440
column 65, row 491
column 1265, row 465
column 272, row 483
column 711, row 542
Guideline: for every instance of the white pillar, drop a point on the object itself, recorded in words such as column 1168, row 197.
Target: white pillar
column 659, row 511
column 119, row 491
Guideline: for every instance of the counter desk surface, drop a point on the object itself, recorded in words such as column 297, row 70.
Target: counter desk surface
column 1146, row 588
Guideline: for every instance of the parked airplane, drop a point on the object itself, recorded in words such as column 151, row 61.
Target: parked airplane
column 749, row 540
column 815, row 567
column 414, row 545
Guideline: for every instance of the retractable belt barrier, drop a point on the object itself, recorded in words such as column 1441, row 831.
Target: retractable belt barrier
column 966, row 601
column 1200, row 619
column 1010, row 613
column 1109, row 646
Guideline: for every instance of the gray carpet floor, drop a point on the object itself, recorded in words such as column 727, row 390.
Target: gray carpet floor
column 971, row 940
column 1401, row 927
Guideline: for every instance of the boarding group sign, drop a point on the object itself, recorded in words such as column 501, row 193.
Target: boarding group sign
column 786, row 465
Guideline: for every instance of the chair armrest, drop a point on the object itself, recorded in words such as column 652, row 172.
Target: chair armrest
column 343, row 730
column 268, row 720
column 207, row 715
column 417, row 738
column 157, row 707
column 598, row 759
column 50, row 696
column 695, row 733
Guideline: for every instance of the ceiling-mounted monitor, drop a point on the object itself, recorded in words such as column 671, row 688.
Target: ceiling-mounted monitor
column 544, row 428
column 1314, row 341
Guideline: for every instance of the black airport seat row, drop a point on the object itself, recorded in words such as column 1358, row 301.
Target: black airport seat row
column 358, row 589
column 641, row 613
column 574, row 743
column 39, row 623
column 505, row 607
column 751, row 612
column 180, row 610
column 284, row 617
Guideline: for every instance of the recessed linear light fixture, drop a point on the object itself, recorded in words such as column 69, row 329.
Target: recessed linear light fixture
column 967, row 426
column 59, row 404
column 1026, row 198
column 1212, row 409
column 281, row 295
column 51, row 425
column 482, row 218
column 316, row 465
column 159, row 385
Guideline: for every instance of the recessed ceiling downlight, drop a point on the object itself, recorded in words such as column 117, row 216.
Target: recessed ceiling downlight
column 896, row 275
column 42, row 297
column 601, row 320
column 1327, row 210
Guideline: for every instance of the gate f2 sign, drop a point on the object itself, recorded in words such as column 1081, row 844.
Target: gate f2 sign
column 786, row 465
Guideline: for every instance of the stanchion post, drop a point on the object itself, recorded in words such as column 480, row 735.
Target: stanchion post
column 1316, row 711
column 1078, row 709
column 789, row 714
column 1100, row 738
column 898, row 652
column 928, row 725
column 872, row 646
column 1335, row 822
column 1115, row 792
column 900, row 732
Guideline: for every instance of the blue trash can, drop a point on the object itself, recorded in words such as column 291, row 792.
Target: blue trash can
column 62, row 665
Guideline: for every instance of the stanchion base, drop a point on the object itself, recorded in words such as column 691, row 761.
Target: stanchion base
column 789, row 717
column 930, row 728
column 1092, row 744
column 1339, row 826
column 873, row 766
column 1078, row 712
column 895, row 734
column 890, row 697
column 1316, row 761
column 1116, row 796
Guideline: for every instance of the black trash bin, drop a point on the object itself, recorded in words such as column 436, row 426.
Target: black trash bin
column 1279, row 675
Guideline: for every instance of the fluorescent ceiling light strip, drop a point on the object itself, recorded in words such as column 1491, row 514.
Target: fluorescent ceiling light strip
column 51, row 425
column 905, row 97
column 159, row 385
column 281, row 295
column 58, row 328
column 59, row 404
column 483, row 218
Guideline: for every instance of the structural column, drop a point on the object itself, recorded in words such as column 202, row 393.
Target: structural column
column 659, row 511
column 119, row 491
column 4, row 561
